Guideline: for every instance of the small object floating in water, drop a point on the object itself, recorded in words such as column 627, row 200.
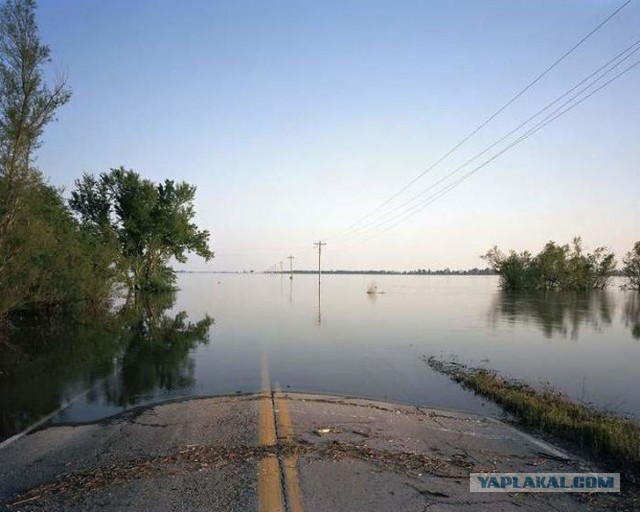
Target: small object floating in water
column 324, row 431
column 373, row 289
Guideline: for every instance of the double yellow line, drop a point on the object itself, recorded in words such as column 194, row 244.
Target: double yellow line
column 270, row 492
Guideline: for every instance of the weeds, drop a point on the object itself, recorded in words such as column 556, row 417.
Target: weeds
column 602, row 433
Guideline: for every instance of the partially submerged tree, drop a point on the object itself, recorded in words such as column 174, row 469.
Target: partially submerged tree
column 148, row 223
column 556, row 267
column 34, row 223
column 52, row 262
column 631, row 267
column 516, row 270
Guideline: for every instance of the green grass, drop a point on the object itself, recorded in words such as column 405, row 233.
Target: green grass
column 604, row 434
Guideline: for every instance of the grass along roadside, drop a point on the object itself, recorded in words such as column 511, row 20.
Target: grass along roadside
column 605, row 435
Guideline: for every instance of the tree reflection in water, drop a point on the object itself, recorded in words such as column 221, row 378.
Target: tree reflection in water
column 156, row 356
column 556, row 313
column 632, row 314
column 118, row 355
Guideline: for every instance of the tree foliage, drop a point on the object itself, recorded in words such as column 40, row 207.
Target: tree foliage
column 45, row 258
column 631, row 267
column 27, row 102
column 122, row 227
column 49, row 261
column 147, row 223
column 556, row 267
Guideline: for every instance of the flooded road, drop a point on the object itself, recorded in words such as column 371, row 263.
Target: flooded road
column 214, row 336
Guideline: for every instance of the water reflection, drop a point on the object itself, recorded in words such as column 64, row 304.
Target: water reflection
column 157, row 349
column 632, row 314
column 290, row 291
column 118, row 355
column 144, row 352
column 319, row 321
column 48, row 355
column 555, row 313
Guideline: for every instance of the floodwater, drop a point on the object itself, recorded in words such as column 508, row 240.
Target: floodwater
column 230, row 333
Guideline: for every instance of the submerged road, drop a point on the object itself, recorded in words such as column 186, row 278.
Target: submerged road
column 276, row 452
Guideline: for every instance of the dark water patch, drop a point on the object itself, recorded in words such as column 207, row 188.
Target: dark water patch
column 110, row 358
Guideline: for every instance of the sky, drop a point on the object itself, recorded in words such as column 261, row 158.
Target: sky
column 296, row 119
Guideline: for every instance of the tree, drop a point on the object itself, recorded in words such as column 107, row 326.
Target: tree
column 516, row 270
column 631, row 267
column 556, row 267
column 53, row 262
column 148, row 223
column 27, row 105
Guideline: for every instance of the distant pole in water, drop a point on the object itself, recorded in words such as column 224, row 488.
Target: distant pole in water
column 280, row 267
column 319, row 244
column 290, row 258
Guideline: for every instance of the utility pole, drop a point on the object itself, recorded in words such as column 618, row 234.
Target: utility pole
column 290, row 258
column 280, row 267
column 319, row 244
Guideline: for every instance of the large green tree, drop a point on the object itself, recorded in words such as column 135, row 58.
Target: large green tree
column 148, row 223
column 41, row 246
column 51, row 262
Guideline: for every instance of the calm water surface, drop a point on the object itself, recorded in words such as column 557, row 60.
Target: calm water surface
column 341, row 341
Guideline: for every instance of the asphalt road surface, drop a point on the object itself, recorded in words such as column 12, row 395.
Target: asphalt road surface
column 274, row 451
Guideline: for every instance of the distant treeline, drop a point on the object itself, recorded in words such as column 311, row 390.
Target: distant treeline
column 419, row 272
column 563, row 267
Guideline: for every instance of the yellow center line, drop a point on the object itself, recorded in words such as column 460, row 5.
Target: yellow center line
column 290, row 463
column 270, row 497
column 269, row 492
column 267, row 427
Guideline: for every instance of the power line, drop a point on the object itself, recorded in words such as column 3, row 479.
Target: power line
column 492, row 116
column 621, row 57
column 549, row 119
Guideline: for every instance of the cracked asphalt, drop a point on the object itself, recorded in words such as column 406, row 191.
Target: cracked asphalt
column 275, row 451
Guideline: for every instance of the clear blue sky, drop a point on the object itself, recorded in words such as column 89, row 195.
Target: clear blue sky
column 295, row 118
